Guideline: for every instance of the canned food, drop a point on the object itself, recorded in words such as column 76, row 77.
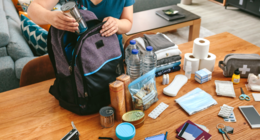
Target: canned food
column 133, row 116
column 106, row 116
column 70, row 9
column 139, row 124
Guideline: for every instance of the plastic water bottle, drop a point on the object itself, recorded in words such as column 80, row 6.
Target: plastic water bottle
column 134, row 65
column 128, row 50
column 149, row 60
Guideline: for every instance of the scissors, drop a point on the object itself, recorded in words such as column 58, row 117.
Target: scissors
column 243, row 96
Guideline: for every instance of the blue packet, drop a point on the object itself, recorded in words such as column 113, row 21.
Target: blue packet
column 195, row 101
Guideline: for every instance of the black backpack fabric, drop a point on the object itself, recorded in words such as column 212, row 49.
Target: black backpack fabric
column 84, row 66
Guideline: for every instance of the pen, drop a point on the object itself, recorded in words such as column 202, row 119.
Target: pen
column 165, row 135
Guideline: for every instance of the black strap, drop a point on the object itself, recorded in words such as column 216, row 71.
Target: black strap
column 50, row 51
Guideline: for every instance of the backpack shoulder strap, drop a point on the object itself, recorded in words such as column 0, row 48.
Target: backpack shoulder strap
column 50, row 51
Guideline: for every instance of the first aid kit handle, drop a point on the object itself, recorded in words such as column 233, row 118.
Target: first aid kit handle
column 221, row 65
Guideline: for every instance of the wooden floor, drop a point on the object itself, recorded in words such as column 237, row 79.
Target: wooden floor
column 216, row 19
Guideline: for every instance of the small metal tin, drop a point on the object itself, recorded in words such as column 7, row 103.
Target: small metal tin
column 134, row 117
column 106, row 116
column 70, row 9
column 137, row 125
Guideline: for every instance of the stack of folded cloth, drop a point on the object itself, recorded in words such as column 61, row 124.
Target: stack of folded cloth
column 203, row 75
column 168, row 54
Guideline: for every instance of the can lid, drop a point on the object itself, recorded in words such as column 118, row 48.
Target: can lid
column 134, row 51
column 149, row 48
column 68, row 5
column 106, row 111
column 125, row 131
column 132, row 42
column 133, row 116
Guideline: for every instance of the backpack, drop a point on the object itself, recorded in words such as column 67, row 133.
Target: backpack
column 84, row 66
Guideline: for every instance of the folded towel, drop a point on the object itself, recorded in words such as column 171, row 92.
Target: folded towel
column 159, row 73
column 167, row 53
column 140, row 44
column 168, row 60
column 168, row 66
column 157, row 41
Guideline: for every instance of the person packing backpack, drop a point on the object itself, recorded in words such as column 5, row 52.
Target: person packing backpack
column 84, row 65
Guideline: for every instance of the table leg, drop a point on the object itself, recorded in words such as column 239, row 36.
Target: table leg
column 194, row 30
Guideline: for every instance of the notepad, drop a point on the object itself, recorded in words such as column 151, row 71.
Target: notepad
column 156, row 137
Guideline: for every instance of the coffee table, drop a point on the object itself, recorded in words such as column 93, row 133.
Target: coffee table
column 31, row 112
column 148, row 21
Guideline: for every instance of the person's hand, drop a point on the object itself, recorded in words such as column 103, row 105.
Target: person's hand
column 110, row 27
column 62, row 21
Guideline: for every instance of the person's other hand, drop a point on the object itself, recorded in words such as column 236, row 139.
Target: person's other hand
column 62, row 22
column 110, row 27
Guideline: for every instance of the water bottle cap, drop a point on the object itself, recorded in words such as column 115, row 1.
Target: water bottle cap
column 132, row 42
column 134, row 51
column 149, row 48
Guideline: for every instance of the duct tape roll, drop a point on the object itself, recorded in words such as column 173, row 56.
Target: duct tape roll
column 194, row 62
column 208, row 62
column 200, row 48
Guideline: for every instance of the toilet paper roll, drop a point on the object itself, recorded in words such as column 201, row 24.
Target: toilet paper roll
column 200, row 48
column 208, row 62
column 194, row 62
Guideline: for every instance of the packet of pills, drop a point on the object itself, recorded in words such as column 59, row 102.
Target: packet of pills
column 231, row 118
column 225, row 111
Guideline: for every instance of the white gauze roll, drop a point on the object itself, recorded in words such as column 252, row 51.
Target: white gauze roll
column 194, row 62
column 200, row 48
column 208, row 62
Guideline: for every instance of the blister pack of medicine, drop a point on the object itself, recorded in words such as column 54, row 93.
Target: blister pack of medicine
column 231, row 118
column 158, row 110
column 225, row 111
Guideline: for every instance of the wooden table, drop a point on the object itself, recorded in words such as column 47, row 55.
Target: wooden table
column 32, row 113
column 148, row 21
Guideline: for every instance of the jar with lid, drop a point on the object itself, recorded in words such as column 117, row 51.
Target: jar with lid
column 125, row 131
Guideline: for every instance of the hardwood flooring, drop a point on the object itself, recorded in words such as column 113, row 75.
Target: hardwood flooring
column 218, row 19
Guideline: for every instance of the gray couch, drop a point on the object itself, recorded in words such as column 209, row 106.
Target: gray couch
column 142, row 5
column 14, row 51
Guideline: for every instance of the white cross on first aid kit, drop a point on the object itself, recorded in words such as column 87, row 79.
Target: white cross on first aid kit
column 244, row 69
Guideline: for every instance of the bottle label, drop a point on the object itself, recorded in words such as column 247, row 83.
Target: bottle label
column 236, row 80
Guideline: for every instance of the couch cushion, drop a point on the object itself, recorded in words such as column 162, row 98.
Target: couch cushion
column 1, row 5
column 10, row 11
column 17, row 47
column 46, row 26
column 8, row 79
column 142, row 5
column 4, row 32
column 35, row 35
column 3, row 52
column 20, row 63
